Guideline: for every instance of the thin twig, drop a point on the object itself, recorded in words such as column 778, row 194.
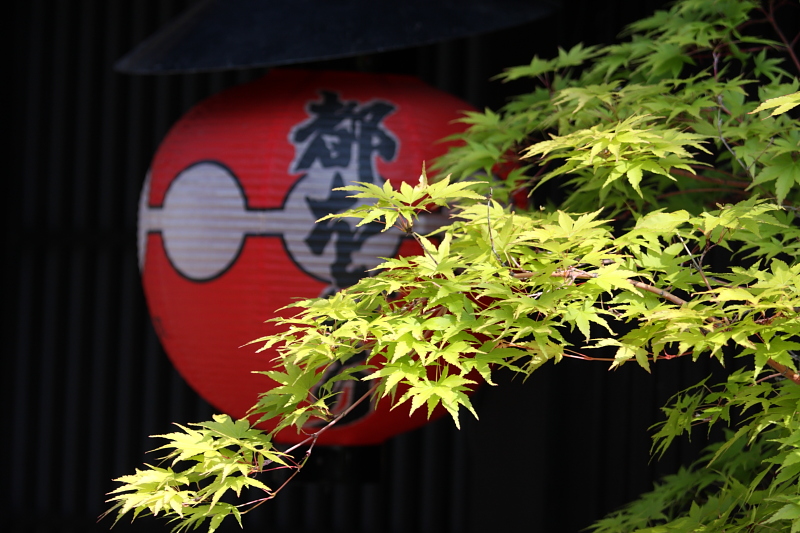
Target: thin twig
column 314, row 436
column 424, row 248
column 771, row 140
column 584, row 357
column 658, row 292
column 720, row 107
column 582, row 274
column 489, row 226
column 739, row 184
column 575, row 274
column 701, row 190
column 770, row 16
column 312, row 439
column 694, row 261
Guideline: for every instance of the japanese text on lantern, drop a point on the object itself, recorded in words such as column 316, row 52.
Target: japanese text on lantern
column 339, row 144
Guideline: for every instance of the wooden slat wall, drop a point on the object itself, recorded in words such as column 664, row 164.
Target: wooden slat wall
column 86, row 381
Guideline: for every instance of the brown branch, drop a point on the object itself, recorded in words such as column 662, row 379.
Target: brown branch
column 312, row 439
column 584, row 357
column 721, row 107
column 770, row 16
column 314, row 436
column 739, row 184
column 784, row 371
column 697, row 265
column 573, row 274
column 700, row 190
column 658, row 292
column 581, row 274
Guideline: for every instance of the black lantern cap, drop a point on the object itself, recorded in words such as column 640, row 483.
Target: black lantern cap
column 234, row 34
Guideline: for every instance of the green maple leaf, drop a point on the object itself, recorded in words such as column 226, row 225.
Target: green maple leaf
column 780, row 104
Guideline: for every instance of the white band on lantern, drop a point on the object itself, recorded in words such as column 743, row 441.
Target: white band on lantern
column 204, row 220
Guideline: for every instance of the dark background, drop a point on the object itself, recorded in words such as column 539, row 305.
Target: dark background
column 85, row 380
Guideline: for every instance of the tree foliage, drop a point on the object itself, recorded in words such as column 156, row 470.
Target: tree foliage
column 663, row 175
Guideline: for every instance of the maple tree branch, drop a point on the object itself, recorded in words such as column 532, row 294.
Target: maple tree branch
column 721, row 107
column 312, row 439
column 739, row 184
column 694, row 261
column 581, row 274
column 584, row 357
column 314, row 436
column 770, row 16
column 700, row 190
column 784, row 371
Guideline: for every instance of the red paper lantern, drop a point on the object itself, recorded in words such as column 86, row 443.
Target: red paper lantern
column 227, row 220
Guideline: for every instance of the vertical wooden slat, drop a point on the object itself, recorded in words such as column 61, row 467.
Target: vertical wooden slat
column 34, row 64
column 402, row 509
column 127, row 346
column 82, row 140
column 433, row 485
column 476, row 76
column 22, row 396
column 58, row 113
column 43, row 432
column 458, row 481
column 73, row 439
